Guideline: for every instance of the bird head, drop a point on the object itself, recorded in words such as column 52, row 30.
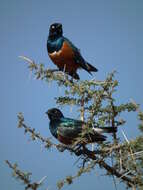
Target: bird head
column 54, row 114
column 55, row 31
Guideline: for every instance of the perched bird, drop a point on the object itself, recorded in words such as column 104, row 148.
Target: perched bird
column 64, row 54
column 66, row 130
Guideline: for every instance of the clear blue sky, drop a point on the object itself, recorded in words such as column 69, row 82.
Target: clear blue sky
column 110, row 36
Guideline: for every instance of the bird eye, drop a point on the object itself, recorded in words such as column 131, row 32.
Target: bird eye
column 53, row 27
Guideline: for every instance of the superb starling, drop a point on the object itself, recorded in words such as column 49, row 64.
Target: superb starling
column 66, row 130
column 64, row 54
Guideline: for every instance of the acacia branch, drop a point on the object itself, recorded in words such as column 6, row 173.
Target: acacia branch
column 96, row 101
column 86, row 153
column 25, row 177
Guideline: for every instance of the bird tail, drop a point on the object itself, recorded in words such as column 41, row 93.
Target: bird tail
column 95, row 137
column 90, row 68
column 105, row 129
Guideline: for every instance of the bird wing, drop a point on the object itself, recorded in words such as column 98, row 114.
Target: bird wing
column 70, row 127
column 68, row 132
column 71, row 45
column 77, row 55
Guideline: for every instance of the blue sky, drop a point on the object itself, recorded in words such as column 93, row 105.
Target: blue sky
column 109, row 34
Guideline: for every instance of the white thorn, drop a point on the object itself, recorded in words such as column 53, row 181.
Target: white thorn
column 124, row 174
column 41, row 180
column 92, row 146
column 126, row 139
column 136, row 153
column 25, row 58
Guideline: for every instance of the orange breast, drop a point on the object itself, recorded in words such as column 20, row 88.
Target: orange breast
column 64, row 58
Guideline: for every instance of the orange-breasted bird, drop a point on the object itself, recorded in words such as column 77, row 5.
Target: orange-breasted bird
column 67, row 130
column 64, row 54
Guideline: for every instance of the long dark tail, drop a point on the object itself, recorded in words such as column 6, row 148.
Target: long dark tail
column 90, row 68
column 84, row 64
column 95, row 137
column 87, row 66
column 105, row 129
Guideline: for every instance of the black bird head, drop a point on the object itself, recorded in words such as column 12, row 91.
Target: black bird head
column 54, row 114
column 55, row 31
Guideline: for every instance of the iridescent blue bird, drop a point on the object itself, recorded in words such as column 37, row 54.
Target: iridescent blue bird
column 64, row 54
column 66, row 130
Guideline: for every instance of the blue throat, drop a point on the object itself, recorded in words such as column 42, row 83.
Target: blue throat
column 54, row 44
column 53, row 128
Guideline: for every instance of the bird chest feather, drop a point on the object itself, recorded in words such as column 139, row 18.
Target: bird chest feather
column 64, row 58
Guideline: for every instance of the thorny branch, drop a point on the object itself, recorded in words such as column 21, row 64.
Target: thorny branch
column 95, row 99
column 25, row 177
column 129, row 179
